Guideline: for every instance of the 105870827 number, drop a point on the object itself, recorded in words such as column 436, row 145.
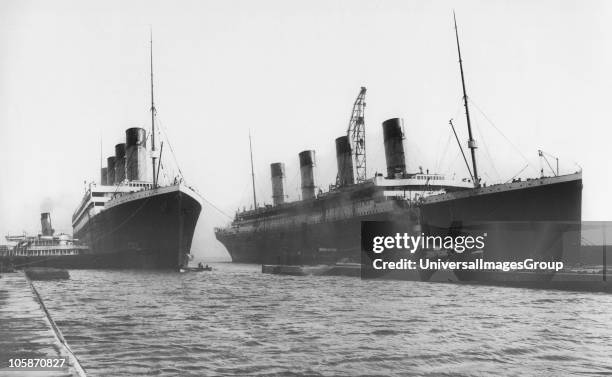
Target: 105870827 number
column 42, row 363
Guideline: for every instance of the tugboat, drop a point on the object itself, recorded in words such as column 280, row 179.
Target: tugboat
column 45, row 249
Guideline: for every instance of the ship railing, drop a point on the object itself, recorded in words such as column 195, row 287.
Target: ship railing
column 83, row 203
column 140, row 185
column 48, row 252
column 56, row 247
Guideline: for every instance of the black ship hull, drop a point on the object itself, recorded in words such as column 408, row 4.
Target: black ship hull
column 544, row 217
column 325, row 242
column 151, row 229
column 539, row 220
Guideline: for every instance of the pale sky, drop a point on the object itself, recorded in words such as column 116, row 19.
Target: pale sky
column 74, row 73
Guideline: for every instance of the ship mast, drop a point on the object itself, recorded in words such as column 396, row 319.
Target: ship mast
column 153, row 156
column 252, row 172
column 471, row 141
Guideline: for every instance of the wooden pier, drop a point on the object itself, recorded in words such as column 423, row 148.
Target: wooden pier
column 27, row 332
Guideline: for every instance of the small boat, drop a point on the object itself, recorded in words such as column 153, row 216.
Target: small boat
column 196, row 269
column 46, row 273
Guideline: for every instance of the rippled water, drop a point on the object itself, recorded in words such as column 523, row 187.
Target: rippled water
column 238, row 321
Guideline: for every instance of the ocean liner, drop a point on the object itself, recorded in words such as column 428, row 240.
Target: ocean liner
column 130, row 221
column 537, row 217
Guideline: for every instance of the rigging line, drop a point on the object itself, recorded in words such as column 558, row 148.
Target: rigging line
column 514, row 176
column 445, row 151
column 498, row 130
column 213, row 205
column 243, row 194
column 163, row 134
column 440, row 161
column 252, row 171
column 246, row 195
column 461, row 149
column 117, row 185
column 491, row 160
column 217, row 208
column 437, row 148
column 147, row 136
column 163, row 129
column 452, row 162
column 551, row 168
column 163, row 169
column 257, row 185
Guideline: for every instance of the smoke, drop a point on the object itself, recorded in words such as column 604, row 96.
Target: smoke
column 47, row 205
column 60, row 205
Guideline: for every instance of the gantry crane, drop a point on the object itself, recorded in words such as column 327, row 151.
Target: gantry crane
column 356, row 135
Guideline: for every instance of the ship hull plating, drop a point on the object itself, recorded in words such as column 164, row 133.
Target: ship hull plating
column 151, row 229
column 150, row 232
column 538, row 220
column 537, row 209
column 324, row 242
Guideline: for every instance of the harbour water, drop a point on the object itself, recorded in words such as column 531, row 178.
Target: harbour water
column 237, row 321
